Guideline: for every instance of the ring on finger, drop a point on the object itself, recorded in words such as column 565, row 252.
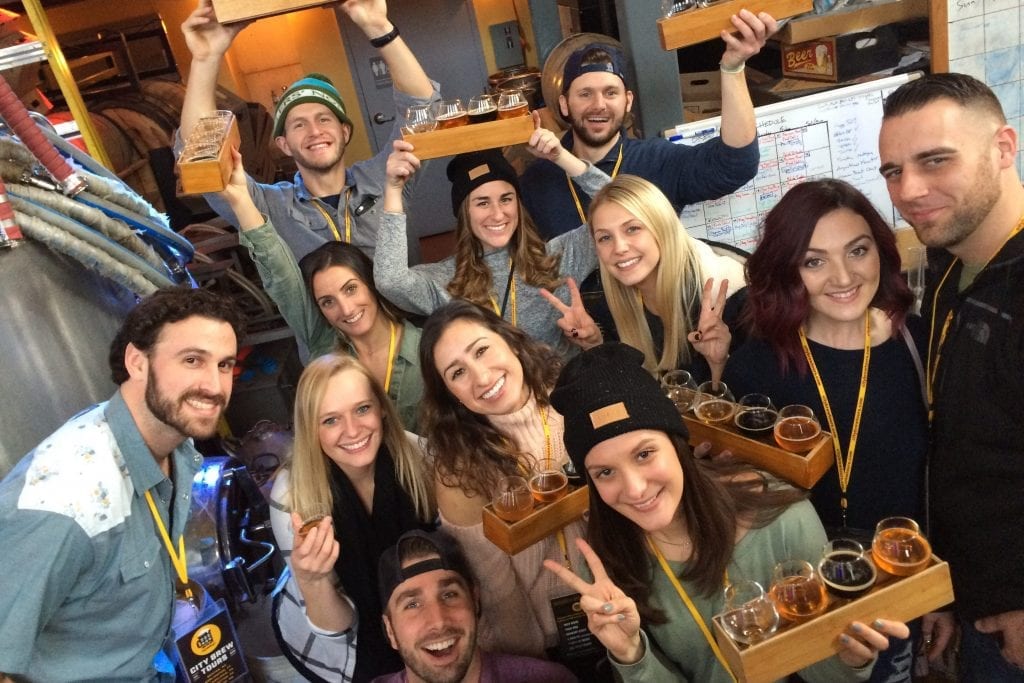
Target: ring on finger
column 575, row 333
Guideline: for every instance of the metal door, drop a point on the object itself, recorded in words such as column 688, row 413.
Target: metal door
column 443, row 35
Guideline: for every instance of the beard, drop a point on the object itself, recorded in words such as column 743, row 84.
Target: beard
column 453, row 673
column 982, row 196
column 171, row 411
column 579, row 128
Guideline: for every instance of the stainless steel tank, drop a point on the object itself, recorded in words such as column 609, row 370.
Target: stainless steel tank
column 57, row 320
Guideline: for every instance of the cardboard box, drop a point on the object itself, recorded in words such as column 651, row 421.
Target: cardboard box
column 858, row 17
column 798, row 645
column 802, row 469
column 697, row 25
column 470, row 138
column 702, row 95
column 545, row 520
column 840, row 58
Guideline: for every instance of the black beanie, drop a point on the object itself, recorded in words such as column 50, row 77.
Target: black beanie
column 471, row 170
column 605, row 392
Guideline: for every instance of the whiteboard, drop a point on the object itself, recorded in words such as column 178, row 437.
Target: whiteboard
column 833, row 134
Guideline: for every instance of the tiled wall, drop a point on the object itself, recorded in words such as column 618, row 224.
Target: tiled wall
column 986, row 40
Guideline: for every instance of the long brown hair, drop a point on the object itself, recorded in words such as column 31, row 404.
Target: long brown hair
column 467, row 450
column 717, row 497
column 474, row 281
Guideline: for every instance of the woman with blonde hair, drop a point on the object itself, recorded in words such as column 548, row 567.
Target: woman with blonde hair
column 355, row 483
column 654, row 276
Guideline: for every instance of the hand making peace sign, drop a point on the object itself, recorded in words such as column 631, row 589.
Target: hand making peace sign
column 611, row 615
column 712, row 337
column 575, row 322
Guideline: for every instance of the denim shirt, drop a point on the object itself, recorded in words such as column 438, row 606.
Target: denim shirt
column 95, row 584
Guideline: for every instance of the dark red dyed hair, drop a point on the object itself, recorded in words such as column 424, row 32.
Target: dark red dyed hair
column 777, row 302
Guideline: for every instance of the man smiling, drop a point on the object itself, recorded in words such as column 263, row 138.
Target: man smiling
column 430, row 616
column 79, row 515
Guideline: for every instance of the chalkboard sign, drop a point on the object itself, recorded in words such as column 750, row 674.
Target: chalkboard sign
column 830, row 134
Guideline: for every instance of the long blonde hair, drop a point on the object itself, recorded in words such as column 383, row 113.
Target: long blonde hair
column 679, row 279
column 474, row 281
column 310, row 473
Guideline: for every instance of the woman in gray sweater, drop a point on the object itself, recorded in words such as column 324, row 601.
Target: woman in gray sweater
column 500, row 261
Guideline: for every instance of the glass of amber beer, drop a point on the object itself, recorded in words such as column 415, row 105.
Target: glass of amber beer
column 899, row 547
column 451, row 114
column 512, row 103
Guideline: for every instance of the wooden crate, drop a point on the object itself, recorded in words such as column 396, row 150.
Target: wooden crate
column 545, row 520
column 798, row 645
column 706, row 23
column 802, row 469
column 229, row 11
column 210, row 175
column 471, row 138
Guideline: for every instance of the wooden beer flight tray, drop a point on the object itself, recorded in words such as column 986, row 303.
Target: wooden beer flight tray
column 229, row 11
column 802, row 469
column 210, row 175
column 795, row 646
column 471, row 138
column 706, row 23
column 545, row 520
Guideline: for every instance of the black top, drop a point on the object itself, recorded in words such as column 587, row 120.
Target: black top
column 888, row 466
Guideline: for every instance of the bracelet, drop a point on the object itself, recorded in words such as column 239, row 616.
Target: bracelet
column 381, row 41
column 735, row 70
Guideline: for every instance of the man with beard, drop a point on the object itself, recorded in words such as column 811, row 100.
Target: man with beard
column 595, row 101
column 949, row 160
column 327, row 200
column 431, row 607
column 89, row 584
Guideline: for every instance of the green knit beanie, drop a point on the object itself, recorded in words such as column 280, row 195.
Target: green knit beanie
column 311, row 88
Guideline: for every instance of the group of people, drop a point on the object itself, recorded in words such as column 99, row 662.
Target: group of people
column 403, row 431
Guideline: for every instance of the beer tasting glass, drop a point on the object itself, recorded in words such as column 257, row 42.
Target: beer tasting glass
column 451, row 114
column 419, row 118
column 548, row 486
column 797, row 429
column 797, row 591
column 755, row 415
column 899, row 547
column 512, row 499
column 482, row 108
column 846, row 569
column 512, row 103
column 749, row 615
column 714, row 404
column 680, row 388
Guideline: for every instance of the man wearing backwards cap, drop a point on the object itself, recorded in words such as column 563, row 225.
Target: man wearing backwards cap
column 327, row 199
column 594, row 102
column 430, row 616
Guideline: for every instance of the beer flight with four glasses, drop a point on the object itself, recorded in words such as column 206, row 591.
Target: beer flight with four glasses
column 452, row 113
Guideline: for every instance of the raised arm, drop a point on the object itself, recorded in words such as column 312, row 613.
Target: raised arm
column 739, row 127
column 419, row 289
column 208, row 40
column 276, row 265
column 371, row 16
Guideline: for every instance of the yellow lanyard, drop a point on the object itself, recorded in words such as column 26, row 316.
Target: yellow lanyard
column 330, row 221
column 391, row 356
column 844, row 466
column 177, row 558
column 690, row 606
column 511, row 295
column 547, row 438
column 933, row 369
column 572, row 188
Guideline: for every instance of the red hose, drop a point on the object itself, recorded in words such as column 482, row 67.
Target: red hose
column 16, row 115
column 9, row 228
